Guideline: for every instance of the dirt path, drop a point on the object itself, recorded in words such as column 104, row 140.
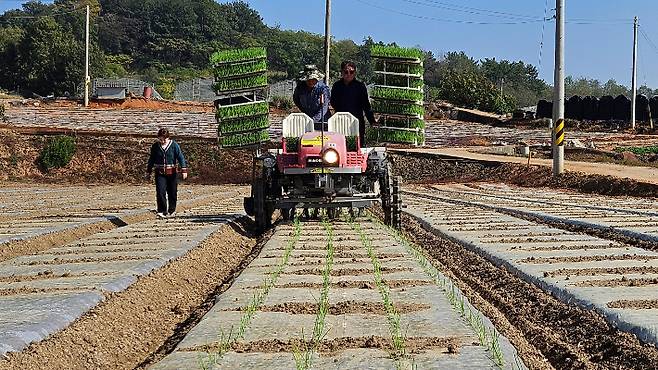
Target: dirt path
column 642, row 174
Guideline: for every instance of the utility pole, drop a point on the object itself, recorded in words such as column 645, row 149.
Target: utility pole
column 558, row 93
column 87, row 80
column 634, row 78
column 327, row 41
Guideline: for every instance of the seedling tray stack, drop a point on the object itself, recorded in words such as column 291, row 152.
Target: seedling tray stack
column 398, row 95
column 240, row 83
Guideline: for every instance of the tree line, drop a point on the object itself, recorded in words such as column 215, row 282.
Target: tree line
column 166, row 41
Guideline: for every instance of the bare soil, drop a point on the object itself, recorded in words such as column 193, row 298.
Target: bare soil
column 128, row 327
column 328, row 347
column 562, row 335
column 623, row 257
column 624, row 281
column 425, row 169
column 649, row 304
column 343, row 308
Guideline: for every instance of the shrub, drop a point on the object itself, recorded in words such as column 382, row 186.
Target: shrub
column 58, row 152
column 474, row 90
column 3, row 118
column 282, row 102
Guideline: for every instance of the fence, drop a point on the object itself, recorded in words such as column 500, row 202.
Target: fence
column 136, row 87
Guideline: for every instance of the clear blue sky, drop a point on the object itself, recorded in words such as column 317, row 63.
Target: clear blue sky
column 600, row 50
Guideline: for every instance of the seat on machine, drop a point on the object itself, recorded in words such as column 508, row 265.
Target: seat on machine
column 344, row 123
column 297, row 124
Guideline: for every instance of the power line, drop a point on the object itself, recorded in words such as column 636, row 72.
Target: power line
column 648, row 39
column 459, row 21
column 541, row 41
column 470, row 10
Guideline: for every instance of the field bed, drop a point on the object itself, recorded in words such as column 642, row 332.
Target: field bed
column 42, row 292
column 336, row 295
column 572, row 266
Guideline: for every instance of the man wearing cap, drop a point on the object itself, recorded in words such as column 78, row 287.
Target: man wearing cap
column 351, row 95
column 311, row 95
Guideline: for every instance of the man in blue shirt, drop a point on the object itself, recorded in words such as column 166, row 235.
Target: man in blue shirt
column 351, row 95
column 311, row 96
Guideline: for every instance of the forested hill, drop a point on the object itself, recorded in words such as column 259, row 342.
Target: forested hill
column 41, row 46
column 164, row 41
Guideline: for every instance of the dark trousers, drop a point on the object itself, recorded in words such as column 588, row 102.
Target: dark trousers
column 166, row 188
column 362, row 133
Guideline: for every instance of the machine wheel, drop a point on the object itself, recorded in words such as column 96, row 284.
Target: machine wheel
column 262, row 211
column 396, row 207
column 386, row 189
column 332, row 213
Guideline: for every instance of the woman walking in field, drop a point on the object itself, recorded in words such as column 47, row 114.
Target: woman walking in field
column 165, row 156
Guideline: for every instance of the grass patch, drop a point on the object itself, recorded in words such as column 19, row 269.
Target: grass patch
column 408, row 109
column 242, row 110
column 236, row 55
column 395, row 52
column 249, row 138
column 638, row 150
column 390, row 93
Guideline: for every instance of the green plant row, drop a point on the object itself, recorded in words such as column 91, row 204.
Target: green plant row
column 240, row 83
column 394, row 52
column 400, row 67
column 408, row 109
column 292, row 144
column 391, row 93
column 241, row 110
column 383, row 135
column 399, row 352
column 399, row 81
column 249, row 138
column 234, row 70
column 350, row 143
column 639, row 150
column 228, row 339
column 412, row 123
column 237, row 55
column 244, row 124
column 488, row 337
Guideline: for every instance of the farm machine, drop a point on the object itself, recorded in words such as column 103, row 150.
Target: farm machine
column 320, row 169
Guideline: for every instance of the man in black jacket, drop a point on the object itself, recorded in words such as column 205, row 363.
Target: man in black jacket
column 351, row 95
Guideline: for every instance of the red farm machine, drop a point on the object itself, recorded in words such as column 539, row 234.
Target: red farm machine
column 317, row 170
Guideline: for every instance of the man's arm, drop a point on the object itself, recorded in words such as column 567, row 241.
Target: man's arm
column 181, row 161
column 334, row 90
column 151, row 161
column 295, row 98
column 367, row 108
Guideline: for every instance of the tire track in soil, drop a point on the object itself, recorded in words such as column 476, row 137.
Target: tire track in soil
column 566, row 336
column 133, row 327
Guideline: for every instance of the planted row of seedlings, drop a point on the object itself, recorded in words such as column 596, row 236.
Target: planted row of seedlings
column 487, row 334
column 209, row 359
column 398, row 95
column 399, row 352
column 304, row 356
column 242, row 115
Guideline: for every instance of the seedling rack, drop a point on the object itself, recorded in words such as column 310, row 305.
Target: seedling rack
column 398, row 96
column 240, row 85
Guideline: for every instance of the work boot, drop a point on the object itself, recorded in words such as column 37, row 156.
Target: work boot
column 171, row 215
column 161, row 215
